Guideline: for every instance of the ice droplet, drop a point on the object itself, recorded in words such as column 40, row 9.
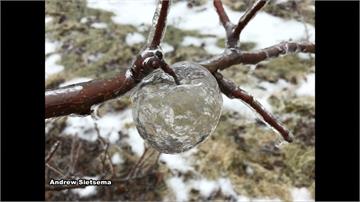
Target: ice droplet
column 175, row 118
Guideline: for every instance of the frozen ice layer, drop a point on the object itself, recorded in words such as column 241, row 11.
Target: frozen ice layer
column 175, row 118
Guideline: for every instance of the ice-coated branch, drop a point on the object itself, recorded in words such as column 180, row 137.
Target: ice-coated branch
column 224, row 19
column 233, row 31
column 232, row 91
column 78, row 98
column 159, row 24
column 235, row 56
column 249, row 14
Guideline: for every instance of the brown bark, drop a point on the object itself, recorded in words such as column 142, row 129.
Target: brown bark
column 232, row 91
column 79, row 98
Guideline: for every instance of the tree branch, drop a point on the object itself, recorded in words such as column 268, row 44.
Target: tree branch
column 224, row 19
column 235, row 56
column 80, row 97
column 233, row 31
column 232, row 91
column 159, row 24
column 249, row 14
column 52, row 151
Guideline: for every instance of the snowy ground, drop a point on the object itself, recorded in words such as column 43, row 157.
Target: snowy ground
column 264, row 29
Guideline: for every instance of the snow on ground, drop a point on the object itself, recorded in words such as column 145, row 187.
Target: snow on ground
column 135, row 141
column 181, row 190
column 88, row 190
column 179, row 162
column 50, row 47
column 209, row 42
column 51, row 66
column 308, row 86
column 134, row 38
column 99, row 25
column 116, row 159
column 262, row 95
column 264, row 29
column 48, row 19
column 109, row 127
column 301, row 195
column 167, row 48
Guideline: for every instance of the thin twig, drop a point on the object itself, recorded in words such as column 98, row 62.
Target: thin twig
column 55, row 170
column 235, row 56
column 232, row 91
column 106, row 157
column 75, row 151
column 52, row 151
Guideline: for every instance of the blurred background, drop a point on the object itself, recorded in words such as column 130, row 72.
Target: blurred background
column 243, row 160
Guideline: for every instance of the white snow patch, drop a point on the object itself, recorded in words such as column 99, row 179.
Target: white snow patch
column 175, row 162
column 208, row 42
column 127, row 11
column 306, row 56
column 99, row 25
column 301, row 195
column 264, row 29
column 84, row 20
column 211, row 47
column 75, row 81
column 51, row 66
column 83, row 127
column 261, row 95
column 179, row 188
column 48, row 19
column 226, row 187
column 179, row 162
column 167, row 48
column 307, row 87
column 136, row 142
column 205, row 187
column 190, row 40
column 266, row 199
column 238, row 106
column 87, row 191
column 116, row 159
column 134, row 38
column 109, row 126
column 50, row 46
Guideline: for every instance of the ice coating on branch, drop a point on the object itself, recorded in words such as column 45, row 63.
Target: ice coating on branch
column 155, row 21
column 175, row 118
